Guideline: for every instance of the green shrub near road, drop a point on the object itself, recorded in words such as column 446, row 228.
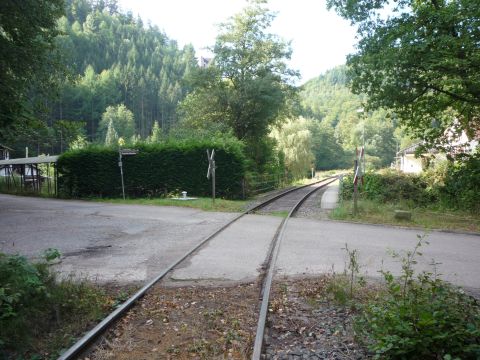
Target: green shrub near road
column 449, row 185
column 157, row 169
column 462, row 184
column 390, row 186
column 40, row 315
column 419, row 316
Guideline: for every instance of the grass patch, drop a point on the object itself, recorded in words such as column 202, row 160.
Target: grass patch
column 39, row 314
column 200, row 203
column 374, row 212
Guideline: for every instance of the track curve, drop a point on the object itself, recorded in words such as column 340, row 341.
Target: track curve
column 296, row 195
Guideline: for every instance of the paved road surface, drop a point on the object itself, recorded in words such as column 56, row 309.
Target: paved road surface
column 107, row 242
column 132, row 243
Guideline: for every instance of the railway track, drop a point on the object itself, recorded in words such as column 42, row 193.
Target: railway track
column 291, row 199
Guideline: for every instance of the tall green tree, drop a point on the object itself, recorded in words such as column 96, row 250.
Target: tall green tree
column 111, row 137
column 422, row 61
column 328, row 152
column 27, row 33
column 121, row 120
column 253, row 62
column 294, row 140
column 156, row 135
column 250, row 81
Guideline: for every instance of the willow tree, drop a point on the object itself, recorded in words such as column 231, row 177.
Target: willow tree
column 122, row 120
column 294, row 139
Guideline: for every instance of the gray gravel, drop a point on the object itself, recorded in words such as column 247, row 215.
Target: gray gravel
column 314, row 329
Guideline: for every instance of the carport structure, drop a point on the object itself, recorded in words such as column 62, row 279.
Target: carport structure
column 26, row 174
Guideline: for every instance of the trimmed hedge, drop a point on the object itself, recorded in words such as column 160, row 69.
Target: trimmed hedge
column 157, row 169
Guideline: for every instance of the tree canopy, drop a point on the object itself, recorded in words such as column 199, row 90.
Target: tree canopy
column 247, row 86
column 422, row 61
column 340, row 124
column 27, row 33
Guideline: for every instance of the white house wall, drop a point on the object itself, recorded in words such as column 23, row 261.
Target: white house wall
column 410, row 164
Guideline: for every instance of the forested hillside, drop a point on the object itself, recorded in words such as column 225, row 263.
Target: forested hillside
column 108, row 58
column 113, row 76
column 339, row 123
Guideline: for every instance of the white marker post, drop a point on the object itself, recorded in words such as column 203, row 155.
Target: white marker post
column 211, row 171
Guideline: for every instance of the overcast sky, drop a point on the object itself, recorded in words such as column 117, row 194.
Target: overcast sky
column 320, row 38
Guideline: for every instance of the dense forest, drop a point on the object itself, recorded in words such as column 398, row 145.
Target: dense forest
column 117, row 77
column 106, row 58
column 340, row 123
column 99, row 74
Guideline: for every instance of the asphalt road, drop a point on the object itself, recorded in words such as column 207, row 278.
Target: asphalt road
column 130, row 243
column 100, row 241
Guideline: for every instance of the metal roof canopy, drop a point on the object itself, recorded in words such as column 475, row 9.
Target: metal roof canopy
column 30, row 160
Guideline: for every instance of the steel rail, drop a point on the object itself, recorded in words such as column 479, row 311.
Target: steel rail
column 280, row 195
column 257, row 348
column 91, row 335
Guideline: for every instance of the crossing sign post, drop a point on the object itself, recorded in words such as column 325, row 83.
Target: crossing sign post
column 211, row 171
column 358, row 171
column 124, row 152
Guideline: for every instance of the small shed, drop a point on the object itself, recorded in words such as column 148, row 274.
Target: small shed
column 24, row 173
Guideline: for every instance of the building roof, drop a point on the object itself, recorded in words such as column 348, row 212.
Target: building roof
column 413, row 148
column 30, row 160
column 5, row 147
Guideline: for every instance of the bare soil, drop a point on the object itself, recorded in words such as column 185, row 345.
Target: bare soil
column 186, row 323
column 220, row 322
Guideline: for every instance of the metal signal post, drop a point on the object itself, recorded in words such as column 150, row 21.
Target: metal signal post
column 211, row 171
column 124, row 152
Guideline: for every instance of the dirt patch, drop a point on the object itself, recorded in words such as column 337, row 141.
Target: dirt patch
column 194, row 322
column 186, row 323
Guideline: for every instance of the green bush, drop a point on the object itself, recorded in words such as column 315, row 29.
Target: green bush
column 461, row 188
column 390, row 186
column 420, row 317
column 448, row 184
column 33, row 305
column 157, row 169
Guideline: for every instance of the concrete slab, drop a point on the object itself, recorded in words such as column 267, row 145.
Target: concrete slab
column 235, row 255
column 330, row 197
column 314, row 247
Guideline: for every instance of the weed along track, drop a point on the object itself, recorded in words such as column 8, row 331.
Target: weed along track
column 170, row 321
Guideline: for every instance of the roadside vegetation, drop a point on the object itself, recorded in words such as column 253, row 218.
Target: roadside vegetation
column 446, row 196
column 41, row 314
column 409, row 315
column 203, row 203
